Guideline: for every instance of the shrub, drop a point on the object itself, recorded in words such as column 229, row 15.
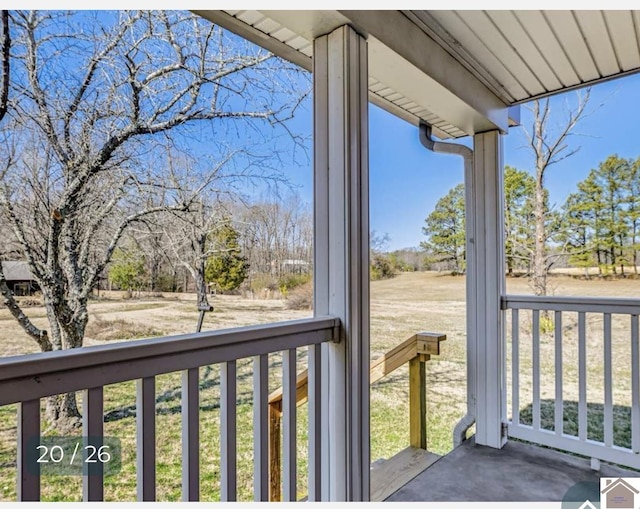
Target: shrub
column 547, row 325
column 301, row 298
column 289, row 282
column 266, row 284
column 28, row 302
column 127, row 271
column 263, row 281
column 380, row 268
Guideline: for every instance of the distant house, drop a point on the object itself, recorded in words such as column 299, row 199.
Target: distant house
column 620, row 494
column 290, row 266
column 19, row 278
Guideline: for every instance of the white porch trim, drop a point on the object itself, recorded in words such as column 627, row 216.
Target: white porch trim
column 486, row 285
column 341, row 259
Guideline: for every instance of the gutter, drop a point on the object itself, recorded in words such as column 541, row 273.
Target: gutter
column 461, row 428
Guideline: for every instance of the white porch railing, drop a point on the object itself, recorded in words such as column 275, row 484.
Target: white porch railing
column 578, row 353
column 27, row 379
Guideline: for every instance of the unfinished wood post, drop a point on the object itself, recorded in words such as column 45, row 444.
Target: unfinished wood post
column 275, row 461
column 417, row 403
column 427, row 344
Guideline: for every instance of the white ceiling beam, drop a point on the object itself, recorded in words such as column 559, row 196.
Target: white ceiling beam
column 320, row 23
column 402, row 56
column 426, row 73
column 255, row 36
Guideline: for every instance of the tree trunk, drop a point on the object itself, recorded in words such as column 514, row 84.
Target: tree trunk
column 599, row 257
column 62, row 412
column 201, row 285
column 634, row 251
column 153, row 276
column 201, row 290
column 539, row 280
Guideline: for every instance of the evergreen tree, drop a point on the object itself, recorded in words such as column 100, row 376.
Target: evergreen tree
column 611, row 176
column 228, row 268
column 578, row 236
column 602, row 219
column 519, row 193
column 127, row 270
column 445, row 229
column 632, row 213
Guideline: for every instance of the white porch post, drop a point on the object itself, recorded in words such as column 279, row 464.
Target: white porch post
column 486, row 284
column 341, row 259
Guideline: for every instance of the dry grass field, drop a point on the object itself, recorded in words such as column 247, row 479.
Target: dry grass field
column 400, row 307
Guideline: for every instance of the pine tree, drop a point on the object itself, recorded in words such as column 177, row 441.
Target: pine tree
column 578, row 235
column 445, row 229
column 611, row 176
column 632, row 213
column 603, row 217
column 228, row 268
column 519, row 193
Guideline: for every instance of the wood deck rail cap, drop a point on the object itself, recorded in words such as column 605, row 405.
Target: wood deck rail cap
column 438, row 336
column 429, row 342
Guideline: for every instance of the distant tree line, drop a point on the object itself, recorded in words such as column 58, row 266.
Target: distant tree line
column 597, row 226
column 252, row 245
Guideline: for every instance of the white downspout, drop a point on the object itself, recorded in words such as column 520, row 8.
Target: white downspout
column 461, row 428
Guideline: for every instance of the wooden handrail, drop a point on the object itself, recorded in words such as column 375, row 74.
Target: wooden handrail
column 416, row 351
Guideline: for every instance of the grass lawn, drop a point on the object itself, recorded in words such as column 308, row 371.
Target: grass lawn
column 400, row 307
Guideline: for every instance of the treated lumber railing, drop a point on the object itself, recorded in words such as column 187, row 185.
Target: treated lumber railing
column 415, row 351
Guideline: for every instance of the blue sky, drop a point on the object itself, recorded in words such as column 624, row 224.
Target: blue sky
column 407, row 181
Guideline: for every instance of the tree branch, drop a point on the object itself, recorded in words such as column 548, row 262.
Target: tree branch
column 88, row 77
column 6, row 65
column 46, row 123
column 99, row 267
column 19, row 232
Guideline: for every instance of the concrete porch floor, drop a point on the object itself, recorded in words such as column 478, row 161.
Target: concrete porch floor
column 517, row 472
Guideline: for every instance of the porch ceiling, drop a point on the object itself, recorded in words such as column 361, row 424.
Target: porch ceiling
column 529, row 54
column 460, row 71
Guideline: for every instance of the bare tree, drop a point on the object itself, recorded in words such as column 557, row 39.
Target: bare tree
column 276, row 234
column 189, row 239
column 91, row 92
column 549, row 146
